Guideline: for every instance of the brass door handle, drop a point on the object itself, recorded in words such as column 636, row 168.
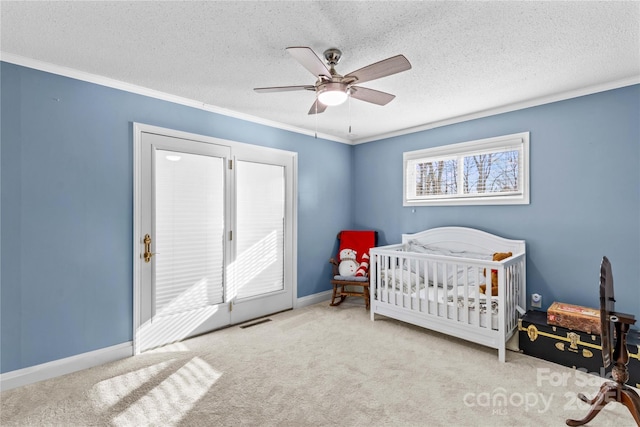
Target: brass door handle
column 147, row 249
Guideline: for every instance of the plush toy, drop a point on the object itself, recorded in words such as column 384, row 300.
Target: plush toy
column 363, row 269
column 348, row 264
column 498, row 256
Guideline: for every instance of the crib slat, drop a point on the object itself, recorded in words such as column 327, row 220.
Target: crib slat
column 465, row 292
column 477, row 299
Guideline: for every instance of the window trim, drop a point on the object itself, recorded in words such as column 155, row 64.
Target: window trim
column 518, row 141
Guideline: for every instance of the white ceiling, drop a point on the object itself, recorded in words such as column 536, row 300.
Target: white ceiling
column 468, row 58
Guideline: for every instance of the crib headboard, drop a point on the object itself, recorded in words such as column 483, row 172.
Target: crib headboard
column 466, row 239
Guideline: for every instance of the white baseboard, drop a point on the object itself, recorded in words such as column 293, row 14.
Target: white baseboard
column 56, row 368
column 45, row 371
column 313, row 299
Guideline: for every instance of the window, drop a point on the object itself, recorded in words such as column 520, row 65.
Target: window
column 489, row 171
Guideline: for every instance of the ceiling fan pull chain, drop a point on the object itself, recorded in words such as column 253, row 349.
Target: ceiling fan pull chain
column 316, row 116
column 349, row 115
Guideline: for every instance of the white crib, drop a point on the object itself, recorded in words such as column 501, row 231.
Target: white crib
column 433, row 278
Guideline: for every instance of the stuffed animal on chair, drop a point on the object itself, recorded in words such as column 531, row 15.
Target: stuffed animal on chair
column 363, row 269
column 348, row 264
column 498, row 256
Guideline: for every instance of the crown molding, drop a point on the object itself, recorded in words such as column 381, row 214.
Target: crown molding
column 534, row 102
column 128, row 87
column 139, row 90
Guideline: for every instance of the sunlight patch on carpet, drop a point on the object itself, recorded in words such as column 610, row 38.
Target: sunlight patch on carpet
column 107, row 393
column 171, row 400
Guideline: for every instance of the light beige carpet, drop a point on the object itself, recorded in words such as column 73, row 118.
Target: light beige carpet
column 314, row 366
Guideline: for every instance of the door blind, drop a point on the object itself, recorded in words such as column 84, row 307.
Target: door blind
column 259, row 265
column 189, row 214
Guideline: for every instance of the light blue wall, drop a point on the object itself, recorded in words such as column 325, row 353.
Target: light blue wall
column 67, row 202
column 585, row 193
column 67, row 208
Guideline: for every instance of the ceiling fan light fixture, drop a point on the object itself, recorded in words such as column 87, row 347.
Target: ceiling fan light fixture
column 332, row 88
column 332, row 94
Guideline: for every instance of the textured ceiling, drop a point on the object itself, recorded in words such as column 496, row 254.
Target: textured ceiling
column 467, row 57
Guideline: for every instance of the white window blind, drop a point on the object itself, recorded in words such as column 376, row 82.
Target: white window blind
column 259, row 265
column 189, row 212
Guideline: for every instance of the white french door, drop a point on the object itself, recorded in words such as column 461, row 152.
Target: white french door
column 214, row 234
column 263, row 253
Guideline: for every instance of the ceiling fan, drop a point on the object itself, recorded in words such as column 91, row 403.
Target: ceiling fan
column 333, row 89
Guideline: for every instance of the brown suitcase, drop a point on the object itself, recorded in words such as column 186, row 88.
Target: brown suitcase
column 574, row 317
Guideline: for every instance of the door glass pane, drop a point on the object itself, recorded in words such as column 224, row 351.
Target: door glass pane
column 259, row 265
column 189, row 220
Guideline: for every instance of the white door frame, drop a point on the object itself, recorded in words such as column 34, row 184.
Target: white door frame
column 138, row 130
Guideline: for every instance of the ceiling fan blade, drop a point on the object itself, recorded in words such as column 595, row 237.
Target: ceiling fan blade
column 317, row 108
column 386, row 67
column 309, row 60
column 284, row 88
column 371, row 95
